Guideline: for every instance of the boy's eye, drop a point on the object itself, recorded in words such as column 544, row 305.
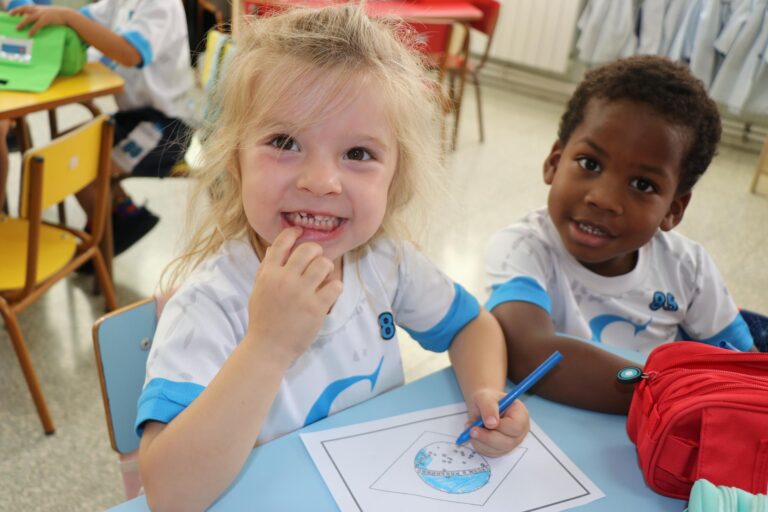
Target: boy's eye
column 643, row 185
column 588, row 164
column 358, row 154
column 284, row 142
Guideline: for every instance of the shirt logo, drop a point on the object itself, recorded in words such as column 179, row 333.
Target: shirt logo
column 663, row 301
column 387, row 325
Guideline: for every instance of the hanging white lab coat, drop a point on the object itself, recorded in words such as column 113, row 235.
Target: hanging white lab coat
column 651, row 26
column 757, row 94
column 735, row 42
column 682, row 43
column 606, row 31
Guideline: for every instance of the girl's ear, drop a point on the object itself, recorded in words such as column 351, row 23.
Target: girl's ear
column 551, row 162
column 676, row 211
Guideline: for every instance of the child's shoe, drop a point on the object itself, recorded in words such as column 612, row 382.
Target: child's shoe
column 130, row 223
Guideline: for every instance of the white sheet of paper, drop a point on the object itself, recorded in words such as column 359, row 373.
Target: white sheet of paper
column 411, row 462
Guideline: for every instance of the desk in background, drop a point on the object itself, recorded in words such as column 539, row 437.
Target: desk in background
column 93, row 81
column 280, row 475
column 425, row 12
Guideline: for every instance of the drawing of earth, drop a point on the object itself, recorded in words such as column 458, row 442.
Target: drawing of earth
column 450, row 468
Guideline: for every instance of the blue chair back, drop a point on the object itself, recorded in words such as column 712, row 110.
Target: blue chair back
column 122, row 340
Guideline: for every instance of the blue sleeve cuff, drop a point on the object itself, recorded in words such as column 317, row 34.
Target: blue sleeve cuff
column 162, row 400
column 520, row 289
column 463, row 310
column 735, row 336
column 17, row 3
column 142, row 46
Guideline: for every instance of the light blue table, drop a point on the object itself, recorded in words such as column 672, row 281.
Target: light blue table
column 280, row 475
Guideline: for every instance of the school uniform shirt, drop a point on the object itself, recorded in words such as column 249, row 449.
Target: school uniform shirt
column 158, row 30
column 354, row 357
column 674, row 286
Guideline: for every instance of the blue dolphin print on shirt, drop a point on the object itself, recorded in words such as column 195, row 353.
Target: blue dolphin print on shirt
column 323, row 404
column 600, row 322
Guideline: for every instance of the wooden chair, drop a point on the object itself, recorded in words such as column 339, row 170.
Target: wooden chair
column 37, row 254
column 459, row 66
column 762, row 167
column 121, row 341
column 435, row 43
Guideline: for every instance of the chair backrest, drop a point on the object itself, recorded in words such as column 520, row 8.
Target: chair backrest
column 435, row 41
column 68, row 163
column 121, row 341
column 487, row 24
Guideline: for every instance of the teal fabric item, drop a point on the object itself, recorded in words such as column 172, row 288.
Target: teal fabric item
column 707, row 497
column 75, row 53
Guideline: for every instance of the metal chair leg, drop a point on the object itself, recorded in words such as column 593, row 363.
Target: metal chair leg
column 25, row 361
column 762, row 166
column 476, row 80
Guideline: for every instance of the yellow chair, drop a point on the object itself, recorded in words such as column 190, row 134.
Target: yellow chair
column 38, row 254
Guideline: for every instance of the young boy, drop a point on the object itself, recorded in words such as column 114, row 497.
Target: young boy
column 145, row 43
column 601, row 263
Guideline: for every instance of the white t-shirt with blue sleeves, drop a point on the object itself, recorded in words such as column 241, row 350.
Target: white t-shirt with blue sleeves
column 355, row 356
column 674, row 292
column 158, row 30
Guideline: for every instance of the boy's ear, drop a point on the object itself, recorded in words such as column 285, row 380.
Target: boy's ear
column 676, row 211
column 551, row 162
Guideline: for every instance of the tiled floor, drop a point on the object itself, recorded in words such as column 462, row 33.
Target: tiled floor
column 488, row 186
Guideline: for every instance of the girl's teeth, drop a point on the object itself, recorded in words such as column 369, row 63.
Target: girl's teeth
column 319, row 222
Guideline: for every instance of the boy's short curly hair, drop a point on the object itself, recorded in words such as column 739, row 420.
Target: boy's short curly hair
column 667, row 87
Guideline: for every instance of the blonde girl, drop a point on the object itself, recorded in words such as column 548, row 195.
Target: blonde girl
column 293, row 281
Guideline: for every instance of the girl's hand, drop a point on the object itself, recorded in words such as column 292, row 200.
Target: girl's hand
column 40, row 16
column 292, row 295
column 500, row 435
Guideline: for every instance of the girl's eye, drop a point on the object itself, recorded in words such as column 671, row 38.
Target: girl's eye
column 358, row 154
column 643, row 185
column 588, row 164
column 284, row 142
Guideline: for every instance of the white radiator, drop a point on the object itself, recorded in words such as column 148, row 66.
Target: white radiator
column 534, row 33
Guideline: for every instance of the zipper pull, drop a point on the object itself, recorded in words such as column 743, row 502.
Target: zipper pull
column 630, row 375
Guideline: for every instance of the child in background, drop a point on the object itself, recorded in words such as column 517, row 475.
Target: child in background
column 326, row 127
column 146, row 44
column 600, row 263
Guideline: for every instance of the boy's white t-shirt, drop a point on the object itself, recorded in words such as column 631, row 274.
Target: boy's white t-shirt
column 674, row 286
column 355, row 356
column 158, row 30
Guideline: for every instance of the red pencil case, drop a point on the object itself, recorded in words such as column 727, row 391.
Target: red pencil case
column 701, row 412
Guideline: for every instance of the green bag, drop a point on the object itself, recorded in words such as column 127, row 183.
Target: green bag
column 31, row 63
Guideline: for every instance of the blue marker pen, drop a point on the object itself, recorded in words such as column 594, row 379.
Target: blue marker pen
column 521, row 388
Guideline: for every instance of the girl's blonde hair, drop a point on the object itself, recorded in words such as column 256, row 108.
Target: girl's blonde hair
column 330, row 54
